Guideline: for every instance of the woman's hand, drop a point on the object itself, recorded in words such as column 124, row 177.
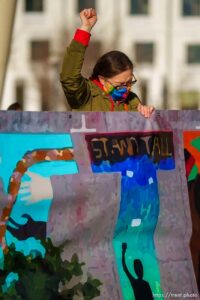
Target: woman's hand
column 88, row 19
column 145, row 110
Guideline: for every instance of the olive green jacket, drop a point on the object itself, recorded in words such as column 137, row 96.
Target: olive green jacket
column 83, row 94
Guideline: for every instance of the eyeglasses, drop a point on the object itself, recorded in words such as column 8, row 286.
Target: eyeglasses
column 121, row 85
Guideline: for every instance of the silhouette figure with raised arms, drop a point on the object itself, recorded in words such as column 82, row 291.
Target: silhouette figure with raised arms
column 141, row 288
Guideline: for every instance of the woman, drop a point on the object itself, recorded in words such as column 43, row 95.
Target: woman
column 109, row 88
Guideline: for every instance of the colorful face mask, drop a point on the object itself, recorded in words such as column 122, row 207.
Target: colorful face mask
column 117, row 94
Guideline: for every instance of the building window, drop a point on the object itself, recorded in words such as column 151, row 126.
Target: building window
column 144, row 91
column 193, row 54
column 144, row 53
column 191, row 7
column 85, row 4
column 34, row 6
column 139, row 7
column 39, row 50
column 19, row 92
column 46, row 90
column 189, row 99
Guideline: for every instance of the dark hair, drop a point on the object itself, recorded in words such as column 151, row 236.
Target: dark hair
column 14, row 106
column 111, row 64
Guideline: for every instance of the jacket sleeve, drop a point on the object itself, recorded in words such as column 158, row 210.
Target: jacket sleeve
column 75, row 86
column 134, row 102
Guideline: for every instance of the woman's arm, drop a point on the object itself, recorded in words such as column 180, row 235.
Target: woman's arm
column 75, row 86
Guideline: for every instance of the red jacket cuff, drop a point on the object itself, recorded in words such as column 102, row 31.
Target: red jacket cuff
column 82, row 37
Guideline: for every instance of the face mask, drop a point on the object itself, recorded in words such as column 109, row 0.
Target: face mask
column 118, row 94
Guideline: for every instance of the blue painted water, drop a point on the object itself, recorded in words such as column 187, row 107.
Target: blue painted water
column 138, row 216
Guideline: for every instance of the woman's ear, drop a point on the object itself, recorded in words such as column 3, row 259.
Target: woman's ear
column 101, row 79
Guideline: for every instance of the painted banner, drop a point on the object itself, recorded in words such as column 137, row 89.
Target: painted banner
column 99, row 205
column 137, row 156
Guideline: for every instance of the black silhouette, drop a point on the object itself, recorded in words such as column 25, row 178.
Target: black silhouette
column 141, row 288
column 31, row 228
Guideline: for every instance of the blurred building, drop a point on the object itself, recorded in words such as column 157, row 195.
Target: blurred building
column 161, row 37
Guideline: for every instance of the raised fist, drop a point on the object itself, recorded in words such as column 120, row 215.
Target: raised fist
column 124, row 246
column 88, row 18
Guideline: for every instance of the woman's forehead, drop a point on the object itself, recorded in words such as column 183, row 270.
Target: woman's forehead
column 123, row 77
